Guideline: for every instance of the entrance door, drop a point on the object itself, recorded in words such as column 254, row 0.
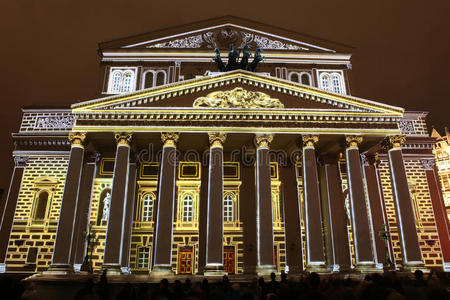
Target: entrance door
column 229, row 259
column 185, row 261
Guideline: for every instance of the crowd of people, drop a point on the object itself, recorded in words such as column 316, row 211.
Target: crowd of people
column 376, row 286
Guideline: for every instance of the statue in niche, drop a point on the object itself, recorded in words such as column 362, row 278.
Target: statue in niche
column 106, row 204
column 233, row 59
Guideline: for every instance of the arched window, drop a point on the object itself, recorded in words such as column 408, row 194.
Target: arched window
column 40, row 210
column 160, row 78
column 147, row 207
column 188, row 208
column 294, row 77
column 306, row 79
column 121, row 81
column 116, row 82
column 336, row 82
column 325, row 80
column 228, row 208
column 127, row 81
column 148, row 80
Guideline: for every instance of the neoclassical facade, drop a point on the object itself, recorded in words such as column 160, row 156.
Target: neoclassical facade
column 180, row 169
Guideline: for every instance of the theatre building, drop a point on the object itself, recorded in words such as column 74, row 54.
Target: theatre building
column 188, row 165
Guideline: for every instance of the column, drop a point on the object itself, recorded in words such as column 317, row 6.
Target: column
column 377, row 208
column 315, row 257
column 78, row 251
column 64, row 234
column 440, row 214
column 336, row 215
column 10, row 208
column 214, row 221
column 129, row 211
column 264, row 221
column 112, row 258
column 411, row 256
column 162, row 262
column 362, row 232
column 292, row 224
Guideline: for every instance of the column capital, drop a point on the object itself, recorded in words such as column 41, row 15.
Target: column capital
column 353, row 140
column 20, row 161
column 369, row 158
column 77, row 139
column 123, row 138
column 216, row 139
column 428, row 164
column 310, row 140
column 263, row 140
column 393, row 141
column 169, row 138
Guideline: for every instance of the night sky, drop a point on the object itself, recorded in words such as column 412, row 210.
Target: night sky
column 48, row 48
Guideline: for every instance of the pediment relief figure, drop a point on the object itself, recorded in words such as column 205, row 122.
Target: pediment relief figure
column 238, row 98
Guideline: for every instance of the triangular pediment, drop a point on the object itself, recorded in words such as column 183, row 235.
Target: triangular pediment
column 221, row 32
column 182, row 95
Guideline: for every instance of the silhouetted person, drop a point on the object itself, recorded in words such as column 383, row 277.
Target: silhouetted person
column 273, row 285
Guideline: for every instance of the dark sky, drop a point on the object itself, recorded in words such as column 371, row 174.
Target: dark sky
column 48, row 48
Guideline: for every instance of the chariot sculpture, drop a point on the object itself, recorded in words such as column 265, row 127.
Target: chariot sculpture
column 233, row 59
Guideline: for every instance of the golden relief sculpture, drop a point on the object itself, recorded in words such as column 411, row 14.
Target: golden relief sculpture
column 238, row 98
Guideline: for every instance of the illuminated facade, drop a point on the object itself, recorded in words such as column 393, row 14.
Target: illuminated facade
column 442, row 154
column 182, row 169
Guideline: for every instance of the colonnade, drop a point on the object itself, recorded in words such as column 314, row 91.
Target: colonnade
column 325, row 224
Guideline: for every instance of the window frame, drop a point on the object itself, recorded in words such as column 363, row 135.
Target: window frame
column 122, row 71
column 331, row 74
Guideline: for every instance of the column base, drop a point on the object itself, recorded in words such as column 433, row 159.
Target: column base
column 77, row 268
column 2, row 268
column 446, row 267
column 162, row 271
column 126, row 270
column 265, row 270
column 214, row 270
column 59, row 269
column 294, row 270
column 318, row 267
column 369, row 267
column 413, row 266
column 112, row 269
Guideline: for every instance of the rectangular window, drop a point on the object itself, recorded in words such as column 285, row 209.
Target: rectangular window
column 143, row 258
column 32, row 255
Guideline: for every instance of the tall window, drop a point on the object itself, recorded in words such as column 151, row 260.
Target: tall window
column 306, row 80
column 152, row 78
column 147, row 207
column 300, row 77
column 228, row 208
column 121, row 81
column 188, row 208
column 332, row 82
column 143, row 258
column 40, row 209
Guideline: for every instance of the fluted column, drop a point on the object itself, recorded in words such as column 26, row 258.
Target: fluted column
column 112, row 258
column 377, row 208
column 440, row 214
column 162, row 265
column 64, row 237
column 411, row 255
column 10, row 208
column 315, row 256
column 363, row 238
column 83, row 208
column 214, row 221
column 264, row 221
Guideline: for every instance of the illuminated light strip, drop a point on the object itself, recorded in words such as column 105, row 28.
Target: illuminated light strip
column 350, row 189
column 224, row 25
column 335, row 266
column 240, row 75
column 305, row 202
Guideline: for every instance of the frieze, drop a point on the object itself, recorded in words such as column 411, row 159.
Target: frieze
column 54, row 123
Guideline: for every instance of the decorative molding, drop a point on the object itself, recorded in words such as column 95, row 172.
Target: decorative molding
column 428, row 164
column 20, row 161
column 406, row 126
column 238, row 98
column 353, row 140
column 263, row 140
column 77, row 138
column 310, row 140
column 217, row 139
column 266, row 43
column 369, row 159
column 123, row 139
column 194, row 41
column 54, row 123
column 170, row 138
